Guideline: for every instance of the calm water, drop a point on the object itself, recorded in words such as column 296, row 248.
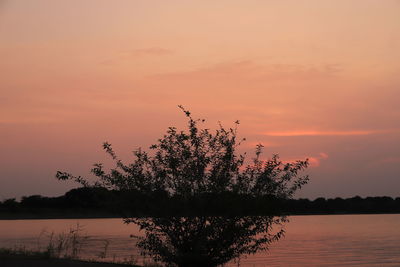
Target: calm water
column 334, row 240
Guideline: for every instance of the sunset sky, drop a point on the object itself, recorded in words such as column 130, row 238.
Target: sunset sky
column 315, row 79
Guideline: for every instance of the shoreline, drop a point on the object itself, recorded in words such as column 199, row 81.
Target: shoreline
column 21, row 262
column 15, row 258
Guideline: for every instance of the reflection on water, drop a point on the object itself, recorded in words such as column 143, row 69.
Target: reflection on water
column 334, row 240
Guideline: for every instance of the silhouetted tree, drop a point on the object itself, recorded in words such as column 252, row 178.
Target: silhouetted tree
column 187, row 164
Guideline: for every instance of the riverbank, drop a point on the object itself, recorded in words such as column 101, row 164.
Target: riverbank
column 26, row 262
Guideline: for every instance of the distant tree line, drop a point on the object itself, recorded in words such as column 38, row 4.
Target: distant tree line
column 353, row 205
column 100, row 202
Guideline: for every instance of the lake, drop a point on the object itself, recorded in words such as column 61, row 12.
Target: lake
column 326, row 240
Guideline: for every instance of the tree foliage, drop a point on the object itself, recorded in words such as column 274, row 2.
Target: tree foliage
column 197, row 162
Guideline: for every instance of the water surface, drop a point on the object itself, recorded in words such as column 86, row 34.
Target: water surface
column 330, row 240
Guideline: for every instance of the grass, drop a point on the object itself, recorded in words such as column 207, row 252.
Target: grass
column 66, row 246
column 18, row 253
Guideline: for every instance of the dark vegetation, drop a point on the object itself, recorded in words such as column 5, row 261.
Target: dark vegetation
column 100, row 202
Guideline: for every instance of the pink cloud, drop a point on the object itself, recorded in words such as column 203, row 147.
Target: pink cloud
column 323, row 155
column 314, row 161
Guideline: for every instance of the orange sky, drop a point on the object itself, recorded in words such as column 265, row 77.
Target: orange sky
column 307, row 78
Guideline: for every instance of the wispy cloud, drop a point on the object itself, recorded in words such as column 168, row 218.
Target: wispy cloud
column 248, row 69
column 322, row 133
column 139, row 52
column 388, row 160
